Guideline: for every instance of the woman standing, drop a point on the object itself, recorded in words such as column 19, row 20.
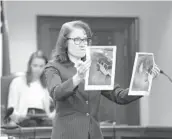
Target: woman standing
column 77, row 109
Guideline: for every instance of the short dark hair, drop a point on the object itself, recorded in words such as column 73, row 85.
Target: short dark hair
column 60, row 51
column 37, row 54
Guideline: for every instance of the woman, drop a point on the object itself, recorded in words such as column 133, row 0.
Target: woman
column 28, row 94
column 77, row 110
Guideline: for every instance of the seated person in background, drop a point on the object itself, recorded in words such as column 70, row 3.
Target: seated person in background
column 29, row 97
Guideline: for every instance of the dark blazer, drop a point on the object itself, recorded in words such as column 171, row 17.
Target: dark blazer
column 77, row 110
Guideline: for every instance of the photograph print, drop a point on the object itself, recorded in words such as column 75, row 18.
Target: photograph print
column 141, row 80
column 101, row 74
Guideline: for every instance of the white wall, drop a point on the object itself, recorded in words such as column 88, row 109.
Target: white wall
column 155, row 36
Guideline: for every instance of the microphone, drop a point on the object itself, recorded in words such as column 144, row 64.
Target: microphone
column 8, row 113
column 162, row 72
column 7, row 124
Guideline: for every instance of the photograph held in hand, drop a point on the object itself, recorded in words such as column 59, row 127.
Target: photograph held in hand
column 141, row 81
column 101, row 74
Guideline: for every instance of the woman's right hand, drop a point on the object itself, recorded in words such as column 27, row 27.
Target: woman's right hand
column 82, row 68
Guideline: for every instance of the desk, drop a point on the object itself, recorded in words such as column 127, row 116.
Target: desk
column 45, row 132
column 143, row 132
column 117, row 132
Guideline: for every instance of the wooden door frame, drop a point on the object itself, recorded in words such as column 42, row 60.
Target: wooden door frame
column 135, row 26
column 133, row 41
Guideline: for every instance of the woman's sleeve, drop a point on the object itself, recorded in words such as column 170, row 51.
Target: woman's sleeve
column 58, row 90
column 119, row 95
column 13, row 98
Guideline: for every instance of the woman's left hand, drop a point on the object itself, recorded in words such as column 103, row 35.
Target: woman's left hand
column 155, row 71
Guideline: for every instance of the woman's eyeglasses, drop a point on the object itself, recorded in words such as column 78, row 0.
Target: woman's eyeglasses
column 78, row 41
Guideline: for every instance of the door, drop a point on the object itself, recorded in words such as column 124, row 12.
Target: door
column 106, row 31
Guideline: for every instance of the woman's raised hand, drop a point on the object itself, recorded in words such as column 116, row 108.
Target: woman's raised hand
column 82, row 68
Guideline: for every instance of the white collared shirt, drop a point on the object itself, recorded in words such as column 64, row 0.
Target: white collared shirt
column 21, row 97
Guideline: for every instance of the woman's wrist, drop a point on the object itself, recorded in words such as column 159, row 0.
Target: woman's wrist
column 76, row 80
